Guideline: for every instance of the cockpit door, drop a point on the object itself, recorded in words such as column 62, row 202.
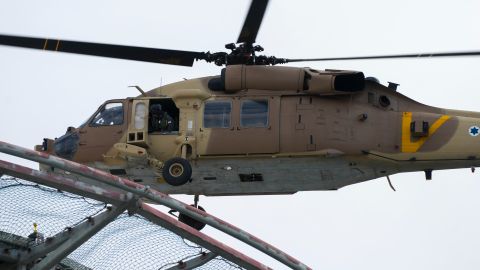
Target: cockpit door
column 154, row 125
column 105, row 128
column 137, row 130
column 163, row 127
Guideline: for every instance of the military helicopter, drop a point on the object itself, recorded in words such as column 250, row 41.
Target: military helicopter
column 260, row 128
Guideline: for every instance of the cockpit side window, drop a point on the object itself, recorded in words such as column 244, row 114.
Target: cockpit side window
column 110, row 115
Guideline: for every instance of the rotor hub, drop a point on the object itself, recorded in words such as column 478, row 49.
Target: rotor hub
column 242, row 54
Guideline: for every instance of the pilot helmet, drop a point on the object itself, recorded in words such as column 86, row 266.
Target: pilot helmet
column 156, row 108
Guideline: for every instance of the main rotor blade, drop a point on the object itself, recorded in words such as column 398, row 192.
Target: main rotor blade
column 144, row 54
column 417, row 55
column 253, row 21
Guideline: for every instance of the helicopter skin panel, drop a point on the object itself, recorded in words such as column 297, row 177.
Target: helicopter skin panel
column 409, row 146
column 269, row 175
column 265, row 175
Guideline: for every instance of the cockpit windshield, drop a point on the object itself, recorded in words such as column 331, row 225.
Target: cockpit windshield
column 110, row 115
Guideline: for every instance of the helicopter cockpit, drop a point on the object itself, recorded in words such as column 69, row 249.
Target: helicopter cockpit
column 101, row 129
column 131, row 120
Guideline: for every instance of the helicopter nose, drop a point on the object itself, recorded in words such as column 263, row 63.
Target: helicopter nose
column 66, row 146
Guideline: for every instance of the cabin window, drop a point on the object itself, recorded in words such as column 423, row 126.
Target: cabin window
column 110, row 115
column 217, row 114
column 254, row 113
column 140, row 113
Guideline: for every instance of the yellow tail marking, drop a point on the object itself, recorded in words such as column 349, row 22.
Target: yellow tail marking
column 58, row 44
column 45, row 44
column 411, row 147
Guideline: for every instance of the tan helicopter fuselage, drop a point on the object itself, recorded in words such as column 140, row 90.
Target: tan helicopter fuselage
column 274, row 130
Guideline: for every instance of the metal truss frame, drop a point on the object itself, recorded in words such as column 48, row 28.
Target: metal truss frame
column 128, row 195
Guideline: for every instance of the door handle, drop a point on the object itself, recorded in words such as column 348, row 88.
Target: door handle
column 82, row 143
column 82, row 131
column 120, row 132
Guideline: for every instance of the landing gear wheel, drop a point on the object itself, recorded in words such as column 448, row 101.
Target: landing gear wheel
column 192, row 222
column 177, row 171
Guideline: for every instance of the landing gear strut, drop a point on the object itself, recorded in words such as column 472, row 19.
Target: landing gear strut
column 198, row 225
column 196, row 199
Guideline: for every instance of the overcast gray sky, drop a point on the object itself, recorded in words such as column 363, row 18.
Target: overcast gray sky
column 424, row 225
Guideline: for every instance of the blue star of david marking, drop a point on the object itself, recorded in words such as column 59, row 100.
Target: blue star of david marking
column 474, row 131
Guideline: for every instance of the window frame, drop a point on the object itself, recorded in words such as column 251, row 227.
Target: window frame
column 242, row 101
column 102, row 108
column 230, row 120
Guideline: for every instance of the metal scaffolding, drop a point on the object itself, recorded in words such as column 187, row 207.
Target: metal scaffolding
column 111, row 199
